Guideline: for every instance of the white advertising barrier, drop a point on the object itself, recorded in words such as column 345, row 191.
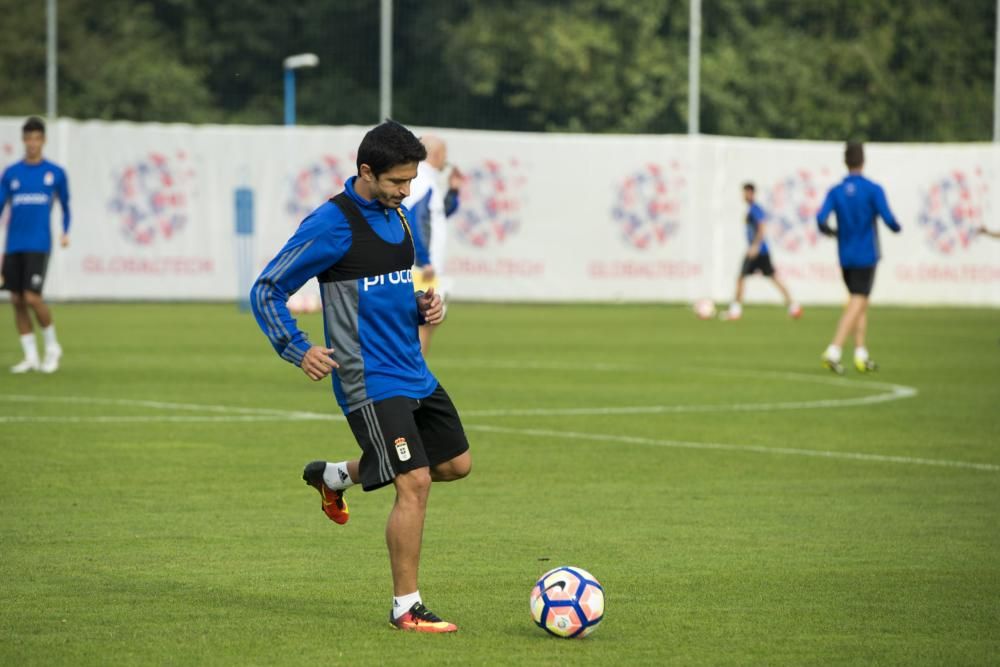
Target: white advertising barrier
column 194, row 212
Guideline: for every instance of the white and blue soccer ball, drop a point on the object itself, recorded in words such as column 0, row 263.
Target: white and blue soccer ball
column 567, row 602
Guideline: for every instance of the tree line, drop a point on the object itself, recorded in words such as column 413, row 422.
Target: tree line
column 876, row 70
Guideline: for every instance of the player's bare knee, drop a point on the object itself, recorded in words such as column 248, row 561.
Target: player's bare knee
column 413, row 485
column 455, row 469
column 32, row 299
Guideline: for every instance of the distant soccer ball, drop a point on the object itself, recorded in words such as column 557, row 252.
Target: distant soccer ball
column 704, row 309
column 567, row 602
column 304, row 302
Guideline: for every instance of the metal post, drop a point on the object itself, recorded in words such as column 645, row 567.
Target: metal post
column 694, row 66
column 50, row 60
column 385, row 58
column 996, row 80
column 290, row 96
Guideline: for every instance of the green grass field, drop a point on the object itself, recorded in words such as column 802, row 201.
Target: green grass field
column 739, row 504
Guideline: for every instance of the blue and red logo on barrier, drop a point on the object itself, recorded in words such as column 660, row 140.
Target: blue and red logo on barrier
column 490, row 211
column 952, row 209
column 315, row 183
column 649, row 205
column 791, row 206
column 151, row 197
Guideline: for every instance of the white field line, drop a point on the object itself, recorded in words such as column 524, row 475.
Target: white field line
column 241, row 414
column 229, row 413
column 680, row 444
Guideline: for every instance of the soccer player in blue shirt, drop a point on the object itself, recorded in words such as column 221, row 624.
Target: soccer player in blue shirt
column 858, row 203
column 30, row 186
column 757, row 259
column 360, row 247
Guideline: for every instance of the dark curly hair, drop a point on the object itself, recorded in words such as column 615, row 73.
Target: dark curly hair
column 387, row 145
column 33, row 124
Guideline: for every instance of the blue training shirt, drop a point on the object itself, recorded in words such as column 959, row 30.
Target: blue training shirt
column 857, row 202
column 371, row 321
column 755, row 218
column 31, row 189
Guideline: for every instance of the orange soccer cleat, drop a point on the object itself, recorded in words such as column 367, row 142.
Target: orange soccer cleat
column 421, row 619
column 334, row 505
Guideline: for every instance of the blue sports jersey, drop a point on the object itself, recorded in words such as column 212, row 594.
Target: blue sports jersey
column 755, row 217
column 371, row 321
column 857, row 202
column 31, row 189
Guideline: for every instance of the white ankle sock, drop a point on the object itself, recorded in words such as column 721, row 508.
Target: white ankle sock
column 49, row 335
column 736, row 308
column 401, row 604
column 30, row 347
column 861, row 353
column 832, row 353
column 336, row 476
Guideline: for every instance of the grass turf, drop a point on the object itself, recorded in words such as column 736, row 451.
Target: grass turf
column 739, row 504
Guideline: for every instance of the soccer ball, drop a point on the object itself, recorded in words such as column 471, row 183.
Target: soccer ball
column 304, row 302
column 567, row 602
column 704, row 309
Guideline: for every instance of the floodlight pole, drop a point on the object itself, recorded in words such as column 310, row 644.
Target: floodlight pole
column 293, row 63
column 996, row 80
column 385, row 62
column 694, row 66
column 50, row 59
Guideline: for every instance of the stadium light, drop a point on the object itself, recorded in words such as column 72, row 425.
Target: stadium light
column 385, row 61
column 50, row 58
column 694, row 67
column 293, row 63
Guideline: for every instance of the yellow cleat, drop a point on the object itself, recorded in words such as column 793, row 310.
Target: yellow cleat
column 865, row 366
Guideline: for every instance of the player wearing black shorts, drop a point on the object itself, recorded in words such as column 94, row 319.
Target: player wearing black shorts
column 360, row 248
column 858, row 203
column 31, row 186
column 757, row 259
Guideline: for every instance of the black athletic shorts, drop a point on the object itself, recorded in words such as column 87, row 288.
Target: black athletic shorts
column 400, row 434
column 761, row 262
column 24, row 271
column 859, row 281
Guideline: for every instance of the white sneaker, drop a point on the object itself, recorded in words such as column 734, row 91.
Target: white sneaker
column 25, row 366
column 51, row 362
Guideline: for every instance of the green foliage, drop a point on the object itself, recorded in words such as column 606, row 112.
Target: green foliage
column 589, row 66
column 892, row 70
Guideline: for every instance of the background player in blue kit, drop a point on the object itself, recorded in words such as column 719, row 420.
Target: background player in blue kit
column 757, row 259
column 29, row 187
column 360, row 248
column 857, row 203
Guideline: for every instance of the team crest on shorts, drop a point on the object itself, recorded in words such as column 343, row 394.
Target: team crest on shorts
column 36, row 280
column 402, row 449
